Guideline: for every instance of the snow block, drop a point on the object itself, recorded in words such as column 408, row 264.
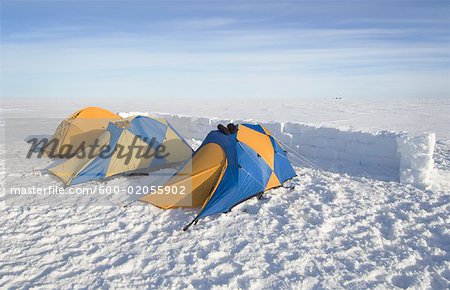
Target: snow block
column 274, row 128
column 386, row 155
column 129, row 114
column 416, row 157
column 214, row 122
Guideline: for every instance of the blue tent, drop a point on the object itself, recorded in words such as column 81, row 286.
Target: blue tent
column 115, row 153
column 228, row 169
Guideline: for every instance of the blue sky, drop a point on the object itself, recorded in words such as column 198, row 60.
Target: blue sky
column 232, row 49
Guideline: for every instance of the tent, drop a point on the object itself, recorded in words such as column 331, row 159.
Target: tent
column 85, row 125
column 227, row 169
column 127, row 145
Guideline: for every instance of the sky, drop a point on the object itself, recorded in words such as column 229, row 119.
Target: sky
column 225, row 49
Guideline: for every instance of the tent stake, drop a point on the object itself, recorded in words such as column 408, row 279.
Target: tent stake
column 188, row 225
column 130, row 203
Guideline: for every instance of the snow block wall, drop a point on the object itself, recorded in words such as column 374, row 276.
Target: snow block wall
column 385, row 155
column 353, row 152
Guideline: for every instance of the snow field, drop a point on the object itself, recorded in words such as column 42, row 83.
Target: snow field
column 385, row 155
column 331, row 231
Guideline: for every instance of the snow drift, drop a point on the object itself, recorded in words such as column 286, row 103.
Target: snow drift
column 385, row 155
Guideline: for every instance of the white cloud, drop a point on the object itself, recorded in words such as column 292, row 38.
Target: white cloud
column 226, row 63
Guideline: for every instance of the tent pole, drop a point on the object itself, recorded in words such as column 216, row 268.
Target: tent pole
column 188, row 225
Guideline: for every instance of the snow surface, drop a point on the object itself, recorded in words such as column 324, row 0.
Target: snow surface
column 332, row 230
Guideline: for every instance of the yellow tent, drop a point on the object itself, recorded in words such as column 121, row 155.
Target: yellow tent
column 85, row 125
column 134, row 144
column 229, row 167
